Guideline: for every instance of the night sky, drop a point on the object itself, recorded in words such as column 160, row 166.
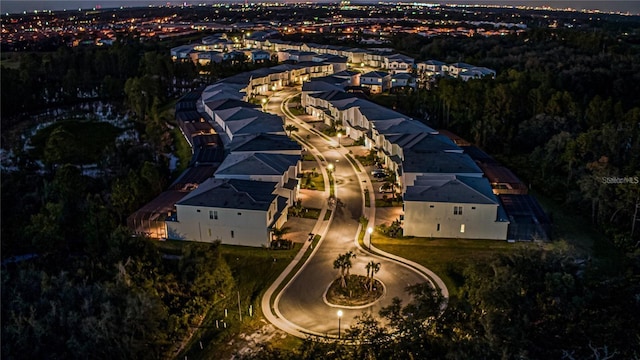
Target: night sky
column 15, row 6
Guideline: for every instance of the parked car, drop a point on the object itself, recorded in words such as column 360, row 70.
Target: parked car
column 377, row 171
column 386, row 189
column 380, row 175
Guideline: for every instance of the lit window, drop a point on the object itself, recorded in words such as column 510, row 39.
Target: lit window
column 462, row 228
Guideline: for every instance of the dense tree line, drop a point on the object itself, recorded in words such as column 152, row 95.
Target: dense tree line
column 532, row 304
column 87, row 288
column 563, row 113
column 69, row 75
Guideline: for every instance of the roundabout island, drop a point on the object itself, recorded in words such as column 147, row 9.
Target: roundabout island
column 358, row 292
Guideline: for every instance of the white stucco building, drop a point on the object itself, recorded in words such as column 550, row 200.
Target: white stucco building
column 453, row 207
column 236, row 212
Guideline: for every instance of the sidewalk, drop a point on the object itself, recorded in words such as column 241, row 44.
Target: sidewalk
column 272, row 313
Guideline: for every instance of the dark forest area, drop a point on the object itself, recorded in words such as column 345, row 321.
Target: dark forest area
column 563, row 113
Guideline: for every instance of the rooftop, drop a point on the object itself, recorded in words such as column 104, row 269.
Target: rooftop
column 232, row 194
column 438, row 162
column 451, row 189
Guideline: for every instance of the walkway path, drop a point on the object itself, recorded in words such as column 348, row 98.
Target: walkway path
column 298, row 307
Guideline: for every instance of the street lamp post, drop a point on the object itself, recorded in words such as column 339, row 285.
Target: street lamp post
column 339, row 137
column 370, row 231
column 339, row 318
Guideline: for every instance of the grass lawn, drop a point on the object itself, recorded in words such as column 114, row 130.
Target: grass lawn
column 183, row 151
column 445, row 257
column 366, row 160
column 297, row 111
column 89, row 138
column 309, row 213
column 387, row 203
column 312, row 182
column 253, row 269
column 353, row 162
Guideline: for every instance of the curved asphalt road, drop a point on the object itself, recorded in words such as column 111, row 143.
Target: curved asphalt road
column 301, row 302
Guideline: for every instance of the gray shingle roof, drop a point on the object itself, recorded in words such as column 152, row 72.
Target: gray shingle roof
column 263, row 142
column 233, row 194
column 256, row 164
column 425, row 141
column 451, row 189
column 438, row 162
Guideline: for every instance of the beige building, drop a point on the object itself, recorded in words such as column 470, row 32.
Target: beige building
column 453, row 207
column 236, row 212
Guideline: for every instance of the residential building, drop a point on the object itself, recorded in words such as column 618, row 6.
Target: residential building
column 376, row 81
column 453, row 206
column 236, row 212
column 430, row 68
column 403, row 80
column 397, row 63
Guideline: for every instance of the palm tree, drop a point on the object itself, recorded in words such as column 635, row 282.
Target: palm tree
column 343, row 262
column 291, row 128
column 279, row 233
column 372, row 269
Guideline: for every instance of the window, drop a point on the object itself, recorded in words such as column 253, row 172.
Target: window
column 431, row 206
column 239, row 213
column 197, row 210
column 210, row 214
column 473, row 208
column 462, row 228
column 438, row 227
column 457, row 210
column 215, row 214
column 232, row 234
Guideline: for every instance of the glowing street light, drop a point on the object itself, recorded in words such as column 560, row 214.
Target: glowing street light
column 339, row 137
column 330, row 167
column 339, row 318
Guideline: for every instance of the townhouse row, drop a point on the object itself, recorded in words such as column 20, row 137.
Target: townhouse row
column 253, row 187
column 443, row 189
column 258, row 47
